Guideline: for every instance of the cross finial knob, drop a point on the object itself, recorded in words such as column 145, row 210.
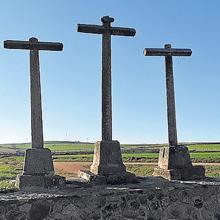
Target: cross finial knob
column 167, row 46
column 33, row 39
column 107, row 19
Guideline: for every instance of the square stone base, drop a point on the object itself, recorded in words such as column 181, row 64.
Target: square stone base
column 175, row 164
column 124, row 178
column 107, row 166
column 38, row 162
column 189, row 173
column 107, row 159
column 30, row 182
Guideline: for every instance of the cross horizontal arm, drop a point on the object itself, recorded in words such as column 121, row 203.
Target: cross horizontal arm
column 97, row 29
column 167, row 52
column 122, row 31
column 14, row 44
column 89, row 28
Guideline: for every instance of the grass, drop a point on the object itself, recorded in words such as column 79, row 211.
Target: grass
column 147, row 170
column 7, row 185
column 212, row 171
column 206, row 157
column 55, row 147
column 67, row 146
column 141, row 170
column 204, row 147
column 203, row 157
column 149, row 157
column 10, row 167
column 73, row 158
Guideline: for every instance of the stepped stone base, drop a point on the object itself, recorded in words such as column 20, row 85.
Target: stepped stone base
column 124, row 178
column 192, row 173
column 174, row 164
column 38, row 172
column 30, row 182
column 107, row 166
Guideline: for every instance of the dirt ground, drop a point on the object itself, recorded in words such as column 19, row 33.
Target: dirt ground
column 71, row 167
column 74, row 167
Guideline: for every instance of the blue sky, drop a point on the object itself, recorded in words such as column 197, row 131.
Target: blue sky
column 71, row 80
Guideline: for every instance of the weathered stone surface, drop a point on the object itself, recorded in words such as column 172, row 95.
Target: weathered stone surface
column 112, row 179
column 174, row 161
column 38, row 172
column 168, row 52
column 106, row 30
column 107, row 166
column 153, row 198
column 38, row 162
column 107, row 158
column 38, row 167
column 174, row 164
column 34, row 182
column 35, row 86
column 174, row 157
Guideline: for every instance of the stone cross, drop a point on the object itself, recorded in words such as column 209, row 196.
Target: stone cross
column 106, row 30
column 168, row 52
column 35, row 87
column 38, row 170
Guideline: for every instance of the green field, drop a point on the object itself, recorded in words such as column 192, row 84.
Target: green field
column 200, row 157
column 205, row 147
column 11, row 166
column 68, row 146
column 52, row 147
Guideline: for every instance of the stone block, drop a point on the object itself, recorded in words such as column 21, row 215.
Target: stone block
column 31, row 182
column 175, row 164
column 124, row 178
column 107, row 166
column 38, row 162
column 107, row 158
column 174, row 157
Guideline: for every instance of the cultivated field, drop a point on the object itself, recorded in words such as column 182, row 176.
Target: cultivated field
column 78, row 155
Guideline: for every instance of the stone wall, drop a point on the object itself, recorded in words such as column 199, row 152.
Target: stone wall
column 152, row 198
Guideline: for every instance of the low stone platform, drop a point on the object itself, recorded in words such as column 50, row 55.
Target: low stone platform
column 174, row 163
column 151, row 199
column 38, row 171
column 107, row 166
column 124, row 178
column 33, row 183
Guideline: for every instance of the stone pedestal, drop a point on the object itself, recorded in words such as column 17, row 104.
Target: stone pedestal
column 38, row 172
column 175, row 164
column 107, row 166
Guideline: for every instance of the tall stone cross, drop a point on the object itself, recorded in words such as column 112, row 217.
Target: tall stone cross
column 106, row 30
column 174, row 161
column 169, row 52
column 107, row 161
column 38, row 171
column 35, row 86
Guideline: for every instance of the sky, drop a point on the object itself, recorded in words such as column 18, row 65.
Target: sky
column 71, row 79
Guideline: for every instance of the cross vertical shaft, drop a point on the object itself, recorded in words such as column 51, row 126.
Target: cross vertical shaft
column 36, row 108
column 168, row 52
column 106, row 83
column 106, row 30
column 171, row 111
